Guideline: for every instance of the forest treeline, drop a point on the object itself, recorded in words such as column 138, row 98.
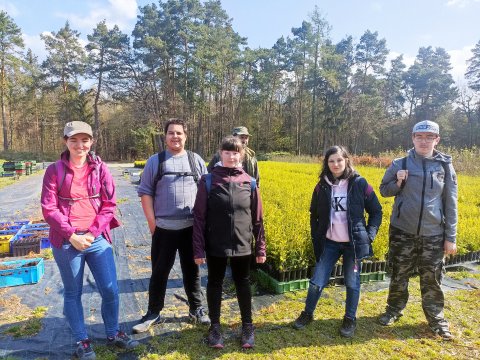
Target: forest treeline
column 184, row 59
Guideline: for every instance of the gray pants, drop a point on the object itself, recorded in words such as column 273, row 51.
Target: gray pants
column 409, row 253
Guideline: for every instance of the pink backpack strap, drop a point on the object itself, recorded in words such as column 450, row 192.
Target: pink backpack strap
column 60, row 169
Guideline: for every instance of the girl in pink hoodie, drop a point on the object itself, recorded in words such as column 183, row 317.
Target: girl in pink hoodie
column 339, row 228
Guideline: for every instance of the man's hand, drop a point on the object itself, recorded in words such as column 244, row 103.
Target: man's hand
column 449, row 247
column 200, row 261
column 402, row 176
column 261, row 259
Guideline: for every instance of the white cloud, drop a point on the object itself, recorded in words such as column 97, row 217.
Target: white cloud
column 458, row 60
column 460, row 3
column 36, row 44
column 9, row 8
column 116, row 12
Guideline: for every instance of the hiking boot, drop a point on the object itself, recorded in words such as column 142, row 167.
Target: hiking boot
column 122, row 341
column 303, row 320
column 215, row 339
column 388, row 318
column 348, row 327
column 84, row 351
column 248, row 336
column 147, row 321
column 199, row 316
column 443, row 332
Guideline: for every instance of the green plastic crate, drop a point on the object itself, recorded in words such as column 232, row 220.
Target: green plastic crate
column 278, row 287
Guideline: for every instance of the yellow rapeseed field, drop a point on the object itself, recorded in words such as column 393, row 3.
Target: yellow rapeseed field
column 286, row 190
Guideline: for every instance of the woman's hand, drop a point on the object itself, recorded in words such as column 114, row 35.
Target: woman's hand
column 81, row 242
column 261, row 259
column 200, row 261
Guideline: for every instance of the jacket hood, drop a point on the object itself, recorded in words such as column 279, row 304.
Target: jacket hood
column 437, row 155
column 227, row 171
column 92, row 158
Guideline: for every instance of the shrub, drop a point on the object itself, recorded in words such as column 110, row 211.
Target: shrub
column 287, row 188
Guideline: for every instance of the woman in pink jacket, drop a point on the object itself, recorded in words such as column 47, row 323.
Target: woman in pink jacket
column 78, row 202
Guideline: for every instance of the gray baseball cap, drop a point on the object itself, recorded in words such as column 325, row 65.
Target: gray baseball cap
column 77, row 127
column 426, row 126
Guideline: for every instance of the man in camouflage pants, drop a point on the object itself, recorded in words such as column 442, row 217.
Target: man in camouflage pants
column 422, row 225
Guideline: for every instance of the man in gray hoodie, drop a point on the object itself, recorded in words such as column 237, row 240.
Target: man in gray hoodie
column 423, row 225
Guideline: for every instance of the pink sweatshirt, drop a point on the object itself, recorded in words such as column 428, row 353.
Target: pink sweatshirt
column 338, row 230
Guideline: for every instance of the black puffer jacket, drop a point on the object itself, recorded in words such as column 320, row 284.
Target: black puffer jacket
column 360, row 198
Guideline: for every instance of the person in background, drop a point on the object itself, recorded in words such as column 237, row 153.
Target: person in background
column 227, row 216
column 249, row 163
column 167, row 203
column 339, row 228
column 78, row 202
column 423, row 225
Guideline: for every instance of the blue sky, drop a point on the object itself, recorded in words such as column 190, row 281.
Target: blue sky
column 406, row 25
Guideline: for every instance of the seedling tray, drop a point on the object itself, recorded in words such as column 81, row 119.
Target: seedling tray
column 21, row 272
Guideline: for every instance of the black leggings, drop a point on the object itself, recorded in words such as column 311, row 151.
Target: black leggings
column 240, row 266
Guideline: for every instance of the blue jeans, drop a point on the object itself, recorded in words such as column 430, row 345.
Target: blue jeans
column 332, row 252
column 100, row 260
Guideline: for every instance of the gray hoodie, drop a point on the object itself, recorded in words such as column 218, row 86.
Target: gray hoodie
column 427, row 204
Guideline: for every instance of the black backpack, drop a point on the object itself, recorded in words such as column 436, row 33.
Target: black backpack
column 161, row 171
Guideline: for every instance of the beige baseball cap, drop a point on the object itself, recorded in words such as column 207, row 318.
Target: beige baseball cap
column 77, row 127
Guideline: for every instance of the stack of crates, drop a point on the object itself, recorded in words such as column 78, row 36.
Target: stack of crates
column 37, row 230
column 33, row 166
column 30, row 238
column 8, row 231
column 8, row 168
column 20, row 168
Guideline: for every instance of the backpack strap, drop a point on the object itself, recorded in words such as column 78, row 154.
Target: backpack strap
column 160, row 171
column 193, row 167
column 61, row 173
column 208, row 182
column 253, row 184
column 404, row 167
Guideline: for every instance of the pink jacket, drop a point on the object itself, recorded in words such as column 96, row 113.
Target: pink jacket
column 56, row 205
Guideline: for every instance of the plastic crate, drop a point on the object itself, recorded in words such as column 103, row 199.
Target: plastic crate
column 21, row 272
column 45, row 243
column 278, row 287
column 23, row 244
column 22, row 222
column 5, row 243
column 37, row 226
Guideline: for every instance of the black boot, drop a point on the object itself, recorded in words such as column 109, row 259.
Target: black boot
column 348, row 327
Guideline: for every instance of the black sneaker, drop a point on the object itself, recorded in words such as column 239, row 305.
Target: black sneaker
column 122, row 341
column 215, row 339
column 199, row 316
column 388, row 318
column 248, row 336
column 348, row 327
column 147, row 321
column 303, row 320
column 443, row 332
column 84, row 350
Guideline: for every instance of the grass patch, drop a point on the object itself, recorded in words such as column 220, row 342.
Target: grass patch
column 122, row 200
column 30, row 326
column 410, row 337
column 459, row 275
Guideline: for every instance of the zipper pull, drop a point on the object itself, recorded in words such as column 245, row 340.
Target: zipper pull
column 355, row 267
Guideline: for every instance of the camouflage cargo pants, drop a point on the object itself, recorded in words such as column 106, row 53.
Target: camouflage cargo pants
column 409, row 253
